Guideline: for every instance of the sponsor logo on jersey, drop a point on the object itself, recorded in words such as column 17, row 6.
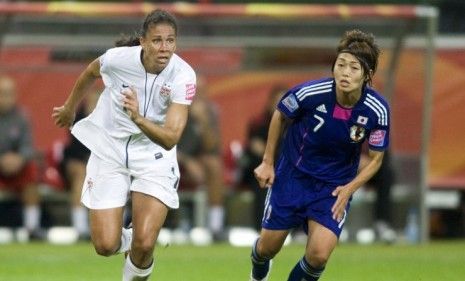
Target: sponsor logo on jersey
column 165, row 90
column 377, row 138
column 190, row 91
column 362, row 120
column 290, row 103
column 357, row 133
column 322, row 108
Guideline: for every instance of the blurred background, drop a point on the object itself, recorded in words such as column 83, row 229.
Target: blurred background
column 243, row 52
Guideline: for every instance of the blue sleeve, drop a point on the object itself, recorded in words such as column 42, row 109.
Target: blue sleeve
column 379, row 135
column 290, row 104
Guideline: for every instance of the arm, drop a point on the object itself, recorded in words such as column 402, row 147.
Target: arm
column 167, row 135
column 366, row 171
column 265, row 171
column 64, row 115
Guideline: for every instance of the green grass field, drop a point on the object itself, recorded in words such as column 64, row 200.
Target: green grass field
column 44, row 262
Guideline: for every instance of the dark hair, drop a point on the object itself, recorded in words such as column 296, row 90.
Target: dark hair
column 363, row 47
column 155, row 17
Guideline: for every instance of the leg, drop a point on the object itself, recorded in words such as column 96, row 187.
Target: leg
column 320, row 244
column 215, row 187
column 265, row 248
column 76, row 173
column 105, row 228
column 31, row 209
column 149, row 214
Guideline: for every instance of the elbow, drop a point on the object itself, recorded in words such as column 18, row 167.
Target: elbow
column 169, row 144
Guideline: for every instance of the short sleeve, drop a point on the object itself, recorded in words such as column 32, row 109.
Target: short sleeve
column 184, row 88
column 105, row 68
column 379, row 136
column 289, row 105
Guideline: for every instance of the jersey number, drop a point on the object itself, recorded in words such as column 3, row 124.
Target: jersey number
column 321, row 122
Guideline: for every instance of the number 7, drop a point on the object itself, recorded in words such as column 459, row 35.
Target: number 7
column 318, row 126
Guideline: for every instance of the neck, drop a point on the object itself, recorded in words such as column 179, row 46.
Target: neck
column 348, row 99
column 148, row 66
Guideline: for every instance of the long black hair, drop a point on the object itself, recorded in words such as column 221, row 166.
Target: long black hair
column 155, row 17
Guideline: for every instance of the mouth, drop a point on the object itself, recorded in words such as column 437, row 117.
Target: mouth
column 344, row 83
column 163, row 59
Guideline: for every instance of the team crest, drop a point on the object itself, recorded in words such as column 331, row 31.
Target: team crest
column 357, row 133
column 165, row 90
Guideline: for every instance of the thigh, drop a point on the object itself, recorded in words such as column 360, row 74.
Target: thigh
column 319, row 209
column 106, row 184
column 271, row 241
column 321, row 241
column 148, row 216
column 161, row 187
column 282, row 203
column 105, row 225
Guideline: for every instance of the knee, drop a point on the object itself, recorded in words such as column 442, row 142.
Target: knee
column 105, row 248
column 143, row 245
column 317, row 259
column 268, row 251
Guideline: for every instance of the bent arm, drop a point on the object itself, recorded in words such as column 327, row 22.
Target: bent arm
column 85, row 80
column 275, row 131
column 168, row 135
column 65, row 114
column 264, row 173
column 367, row 169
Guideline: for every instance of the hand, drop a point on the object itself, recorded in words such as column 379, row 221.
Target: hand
column 343, row 194
column 264, row 174
column 130, row 103
column 11, row 163
column 63, row 116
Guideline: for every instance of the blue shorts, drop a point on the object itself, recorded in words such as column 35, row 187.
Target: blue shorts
column 296, row 197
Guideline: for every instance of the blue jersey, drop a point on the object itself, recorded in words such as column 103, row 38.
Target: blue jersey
column 324, row 139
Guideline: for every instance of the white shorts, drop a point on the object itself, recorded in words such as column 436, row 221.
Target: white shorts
column 108, row 185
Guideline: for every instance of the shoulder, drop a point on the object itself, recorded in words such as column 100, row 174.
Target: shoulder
column 182, row 68
column 120, row 54
column 313, row 88
column 377, row 105
column 123, row 51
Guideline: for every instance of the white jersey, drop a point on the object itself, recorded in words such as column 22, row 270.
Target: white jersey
column 109, row 126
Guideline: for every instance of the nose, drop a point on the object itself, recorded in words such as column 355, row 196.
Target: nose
column 345, row 71
column 163, row 45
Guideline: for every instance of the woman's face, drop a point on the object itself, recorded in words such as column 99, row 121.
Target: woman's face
column 348, row 73
column 159, row 44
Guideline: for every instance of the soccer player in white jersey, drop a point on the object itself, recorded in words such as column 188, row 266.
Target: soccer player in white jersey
column 132, row 135
column 318, row 167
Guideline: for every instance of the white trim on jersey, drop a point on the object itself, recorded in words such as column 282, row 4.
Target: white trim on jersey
column 378, row 108
column 320, row 88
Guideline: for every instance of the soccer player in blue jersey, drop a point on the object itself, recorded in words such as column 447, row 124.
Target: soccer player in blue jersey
column 317, row 172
